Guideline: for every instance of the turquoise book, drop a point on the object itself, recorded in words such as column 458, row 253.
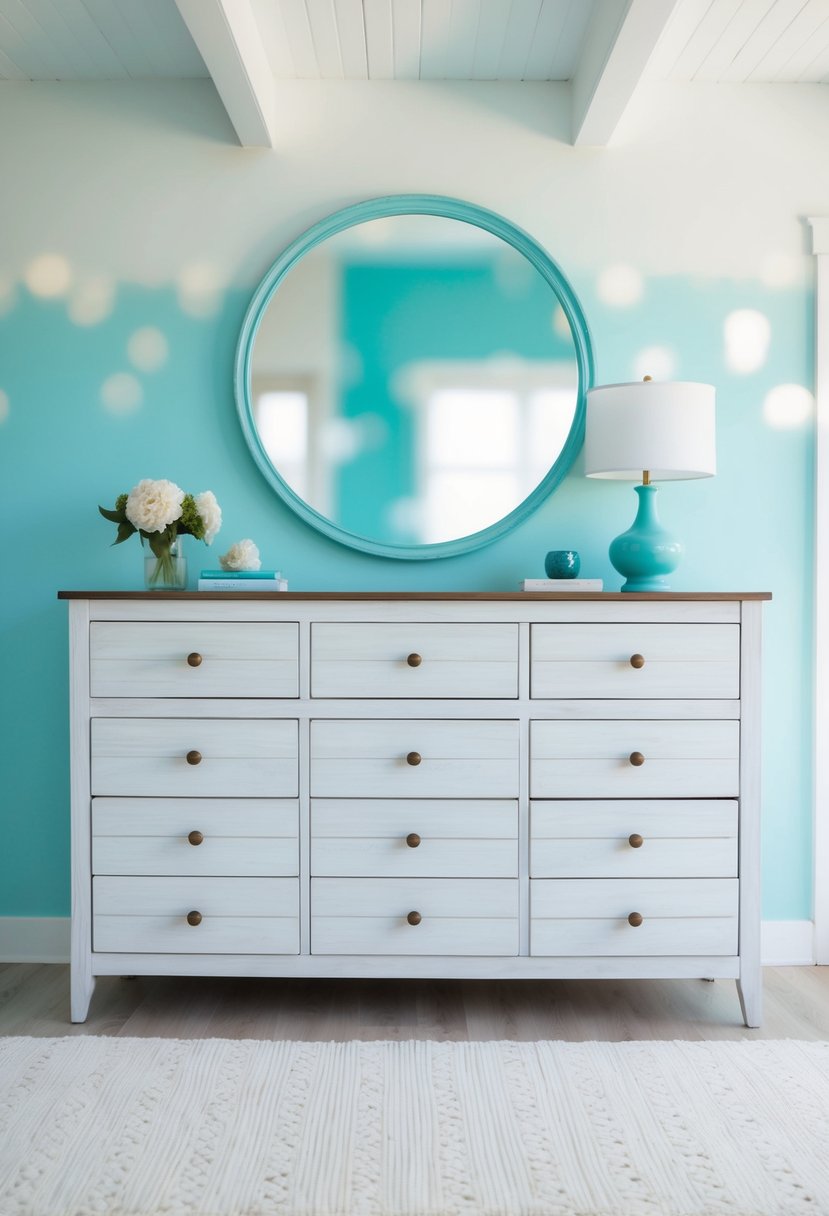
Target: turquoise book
column 271, row 574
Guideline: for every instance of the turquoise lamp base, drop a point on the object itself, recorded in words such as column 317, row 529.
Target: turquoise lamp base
column 646, row 552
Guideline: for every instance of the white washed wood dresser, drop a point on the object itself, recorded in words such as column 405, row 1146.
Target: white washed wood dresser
column 425, row 784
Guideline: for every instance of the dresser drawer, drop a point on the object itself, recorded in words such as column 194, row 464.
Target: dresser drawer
column 193, row 659
column 238, row 915
column 409, row 837
column 631, row 661
column 598, row 759
column 414, row 660
column 456, row 916
column 186, row 836
column 657, row 838
column 417, row 758
column 590, row 917
column 233, row 757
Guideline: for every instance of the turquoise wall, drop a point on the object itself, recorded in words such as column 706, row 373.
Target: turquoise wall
column 135, row 182
column 61, row 453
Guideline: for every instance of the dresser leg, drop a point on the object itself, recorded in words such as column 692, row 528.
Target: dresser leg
column 750, row 992
column 81, row 989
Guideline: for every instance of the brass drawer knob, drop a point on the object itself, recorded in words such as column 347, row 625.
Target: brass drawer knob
column 194, row 918
column 195, row 837
column 635, row 919
column 637, row 661
column 414, row 758
column 636, row 841
column 414, row 660
column 637, row 759
column 193, row 757
column 414, row 918
column 412, row 840
column 194, row 659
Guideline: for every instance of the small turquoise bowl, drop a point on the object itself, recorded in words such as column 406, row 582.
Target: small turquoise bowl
column 562, row 563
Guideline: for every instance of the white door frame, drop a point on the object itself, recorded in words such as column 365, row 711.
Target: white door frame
column 820, row 247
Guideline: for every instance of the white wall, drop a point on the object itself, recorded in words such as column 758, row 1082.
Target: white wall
column 702, row 179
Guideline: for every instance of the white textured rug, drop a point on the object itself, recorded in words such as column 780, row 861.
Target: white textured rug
column 216, row 1127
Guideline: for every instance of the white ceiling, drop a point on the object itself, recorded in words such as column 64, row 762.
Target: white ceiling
column 603, row 48
column 423, row 39
column 746, row 40
column 95, row 40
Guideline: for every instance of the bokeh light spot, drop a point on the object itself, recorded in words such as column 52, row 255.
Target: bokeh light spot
column 406, row 516
column 561, row 325
column 91, row 301
column 49, row 275
column 788, row 406
column 122, row 393
column 199, row 289
column 620, row 286
column 340, row 440
column 747, row 335
column 659, row 362
column 148, row 349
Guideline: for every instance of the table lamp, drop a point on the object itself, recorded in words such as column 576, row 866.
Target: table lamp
column 659, row 432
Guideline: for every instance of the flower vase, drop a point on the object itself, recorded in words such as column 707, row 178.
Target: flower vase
column 166, row 568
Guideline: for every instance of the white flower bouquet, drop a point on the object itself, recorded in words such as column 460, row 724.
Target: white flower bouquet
column 160, row 512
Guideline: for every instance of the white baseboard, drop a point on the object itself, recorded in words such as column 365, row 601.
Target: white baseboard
column 787, row 943
column 34, row 939
column 45, row 939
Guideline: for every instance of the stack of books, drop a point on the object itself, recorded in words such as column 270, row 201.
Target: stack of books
column 561, row 584
column 242, row 580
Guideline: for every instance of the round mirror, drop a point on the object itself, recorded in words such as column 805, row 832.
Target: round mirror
column 411, row 376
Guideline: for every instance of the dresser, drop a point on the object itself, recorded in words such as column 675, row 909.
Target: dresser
column 415, row 785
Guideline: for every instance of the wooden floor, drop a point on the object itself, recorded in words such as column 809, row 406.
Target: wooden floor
column 34, row 1000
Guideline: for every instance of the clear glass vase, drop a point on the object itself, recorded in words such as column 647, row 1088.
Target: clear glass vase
column 167, row 570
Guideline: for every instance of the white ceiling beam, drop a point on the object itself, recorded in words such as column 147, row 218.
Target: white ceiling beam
column 226, row 33
column 620, row 41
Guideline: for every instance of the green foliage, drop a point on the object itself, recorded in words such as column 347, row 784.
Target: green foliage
column 160, row 541
column 190, row 522
column 119, row 517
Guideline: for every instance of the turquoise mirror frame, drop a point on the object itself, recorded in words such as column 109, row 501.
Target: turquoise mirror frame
column 448, row 208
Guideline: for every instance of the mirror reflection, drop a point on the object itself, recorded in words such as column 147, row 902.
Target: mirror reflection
column 413, row 379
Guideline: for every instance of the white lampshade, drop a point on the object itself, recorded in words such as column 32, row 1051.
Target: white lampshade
column 666, row 428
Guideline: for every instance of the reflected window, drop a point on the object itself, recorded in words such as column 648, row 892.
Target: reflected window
column 289, row 413
column 549, row 416
column 282, row 420
column 470, row 458
column 482, row 445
